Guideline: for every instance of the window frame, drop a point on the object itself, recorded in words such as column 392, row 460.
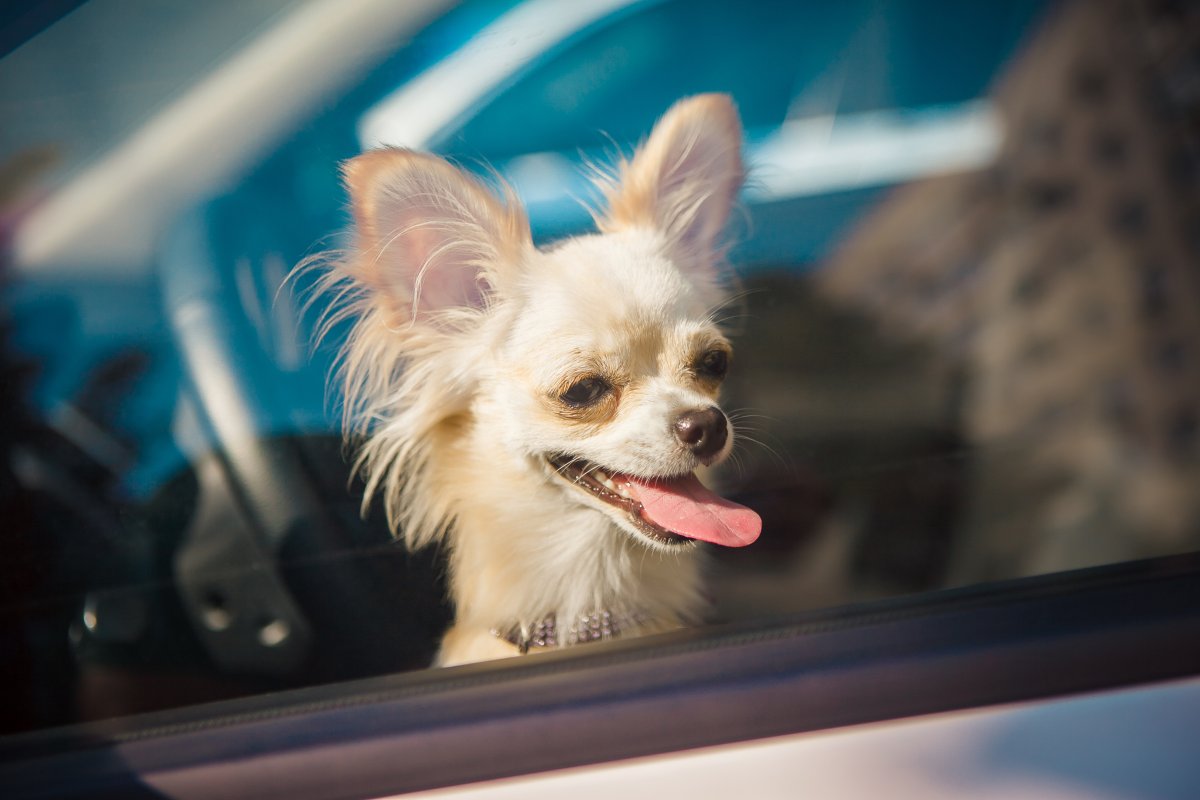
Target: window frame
column 1031, row 638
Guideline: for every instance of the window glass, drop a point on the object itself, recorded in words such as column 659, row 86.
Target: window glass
column 967, row 336
column 87, row 82
column 599, row 85
column 607, row 86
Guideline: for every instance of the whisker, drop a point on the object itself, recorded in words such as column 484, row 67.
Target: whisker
column 786, row 462
column 737, row 465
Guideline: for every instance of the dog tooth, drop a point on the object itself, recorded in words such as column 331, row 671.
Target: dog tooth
column 604, row 480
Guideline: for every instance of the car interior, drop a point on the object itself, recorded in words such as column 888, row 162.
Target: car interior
column 970, row 397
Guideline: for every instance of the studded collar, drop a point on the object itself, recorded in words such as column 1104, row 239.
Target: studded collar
column 546, row 632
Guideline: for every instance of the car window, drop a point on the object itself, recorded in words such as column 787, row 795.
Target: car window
column 81, row 106
column 606, row 87
column 596, row 87
column 967, row 346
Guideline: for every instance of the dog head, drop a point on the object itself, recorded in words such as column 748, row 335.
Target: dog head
column 591, row 367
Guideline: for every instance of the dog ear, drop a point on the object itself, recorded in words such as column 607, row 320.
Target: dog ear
column 683, row 180
column 430, row 237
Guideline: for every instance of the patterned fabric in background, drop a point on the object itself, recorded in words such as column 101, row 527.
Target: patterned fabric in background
column 1064, row 286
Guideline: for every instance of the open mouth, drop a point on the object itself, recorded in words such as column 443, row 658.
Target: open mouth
column 597, row 481
column 672, row 511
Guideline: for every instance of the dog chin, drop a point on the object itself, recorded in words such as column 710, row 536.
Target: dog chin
column 601, row 489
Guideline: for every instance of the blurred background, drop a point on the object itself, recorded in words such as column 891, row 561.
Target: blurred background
column 968, row 350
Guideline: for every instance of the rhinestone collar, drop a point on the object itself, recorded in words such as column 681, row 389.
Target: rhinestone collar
column 592, row 627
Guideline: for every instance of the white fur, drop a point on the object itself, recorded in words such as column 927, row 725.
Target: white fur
column 465, row 338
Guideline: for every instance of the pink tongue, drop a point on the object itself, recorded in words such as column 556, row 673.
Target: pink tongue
column 684, row 506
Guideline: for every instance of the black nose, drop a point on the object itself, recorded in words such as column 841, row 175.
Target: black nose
column 703, row 432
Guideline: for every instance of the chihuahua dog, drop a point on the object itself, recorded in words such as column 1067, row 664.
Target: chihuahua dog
column 541, row 412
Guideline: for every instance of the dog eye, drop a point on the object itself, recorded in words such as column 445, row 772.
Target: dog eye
column 585, row 392
column 713, row 364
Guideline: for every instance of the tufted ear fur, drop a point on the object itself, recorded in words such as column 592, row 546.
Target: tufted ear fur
column 682, row 182
column 430, row 237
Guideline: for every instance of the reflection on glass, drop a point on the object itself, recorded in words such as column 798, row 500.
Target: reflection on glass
column 966, row 348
